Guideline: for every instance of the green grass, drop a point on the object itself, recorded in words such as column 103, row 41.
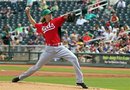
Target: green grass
column 12, row 68
column 111, row 83
column 68, row 70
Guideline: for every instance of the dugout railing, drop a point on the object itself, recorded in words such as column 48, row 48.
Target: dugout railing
column 29, row 54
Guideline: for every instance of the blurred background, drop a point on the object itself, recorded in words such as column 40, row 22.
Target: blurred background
column 100, row 33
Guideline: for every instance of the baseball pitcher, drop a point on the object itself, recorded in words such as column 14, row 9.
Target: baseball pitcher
column 54, row 48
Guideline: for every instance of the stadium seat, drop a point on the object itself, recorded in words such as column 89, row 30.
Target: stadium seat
column 64, row 6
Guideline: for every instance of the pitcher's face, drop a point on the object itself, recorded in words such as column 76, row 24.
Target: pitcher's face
column 48, row 17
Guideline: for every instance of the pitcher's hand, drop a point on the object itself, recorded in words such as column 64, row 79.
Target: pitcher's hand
column 27, row 10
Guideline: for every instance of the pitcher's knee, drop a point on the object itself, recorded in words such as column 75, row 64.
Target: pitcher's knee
column 35, row 68
column 74, row 58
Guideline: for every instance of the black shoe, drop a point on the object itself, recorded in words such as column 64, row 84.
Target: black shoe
column 82, row 85
column 16, row 79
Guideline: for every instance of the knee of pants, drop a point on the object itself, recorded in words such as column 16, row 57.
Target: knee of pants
column 73, row 59
column 35, row 68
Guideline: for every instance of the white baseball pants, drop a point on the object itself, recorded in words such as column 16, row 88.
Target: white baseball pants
column 55, row 52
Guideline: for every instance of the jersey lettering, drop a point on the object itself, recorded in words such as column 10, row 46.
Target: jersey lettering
column 49, row 27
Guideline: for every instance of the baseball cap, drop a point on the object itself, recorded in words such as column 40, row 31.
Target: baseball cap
column 46, row 12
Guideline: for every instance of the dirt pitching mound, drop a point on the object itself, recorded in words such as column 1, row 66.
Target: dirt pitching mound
column 40, row 86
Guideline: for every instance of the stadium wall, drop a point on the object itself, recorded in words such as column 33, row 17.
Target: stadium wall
column 25, row 54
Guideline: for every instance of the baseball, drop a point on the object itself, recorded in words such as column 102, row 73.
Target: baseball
column 27, row 9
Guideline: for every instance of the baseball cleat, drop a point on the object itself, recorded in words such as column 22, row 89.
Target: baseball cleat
column 16, row 79
column 82, row 85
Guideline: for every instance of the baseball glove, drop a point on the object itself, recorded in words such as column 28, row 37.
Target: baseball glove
column 71, row 17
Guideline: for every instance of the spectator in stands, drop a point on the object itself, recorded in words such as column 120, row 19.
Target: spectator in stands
column 19, row 28
column 33, row 36
column 86, row 50
column 73, row 45
column 128, row 49
column 121, row 4
column 114, row 19
column 122, row 38
column 7, row 40
column 107, row 34
column 65, row 43
column 128, row 39
column 3, row 12
column 80, row 49
column 66, row 39
column 2, row 56
column 20, row 38
column 40, row 40
column 74, row 36
column 90, row 16
column 121, row 32
column 30, row 29
column 16, row 41
column 113, row 35
column 30, row 42
column 6, row 12
column 55, row 7
column 128, row 42
column 93, row 48
column 116, row 29
column 80, row 43
column 65, row 36
column 79, row 39
column 101, row 46
column 88, row 36
column 15, row 35
column 125, row 50
column 108, row 47
column 81, row 21
column 109, row 10
column 9, row 12
column 6, row 28
column 96, row 30
column 9, row 28
column 126, row 27
column 43, row 5
column 103, row 19
column 24, row 34
column 116, row 47
column 89, row 9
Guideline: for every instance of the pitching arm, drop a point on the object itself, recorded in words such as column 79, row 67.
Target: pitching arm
column 31, row 20
column 65, row 16
column 69, row 17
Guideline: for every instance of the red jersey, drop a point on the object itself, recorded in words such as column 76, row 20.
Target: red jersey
column 50, row 30
column 86, row 38
column 114, row 18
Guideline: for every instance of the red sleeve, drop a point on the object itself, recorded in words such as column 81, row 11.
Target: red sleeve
column 38, row 27
column 59, row 21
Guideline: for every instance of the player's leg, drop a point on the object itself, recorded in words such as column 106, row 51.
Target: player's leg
column 44, row 58
column 68, row 55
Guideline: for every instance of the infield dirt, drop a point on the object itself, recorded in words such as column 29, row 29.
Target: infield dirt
column 40, row 86
column 45, row 86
